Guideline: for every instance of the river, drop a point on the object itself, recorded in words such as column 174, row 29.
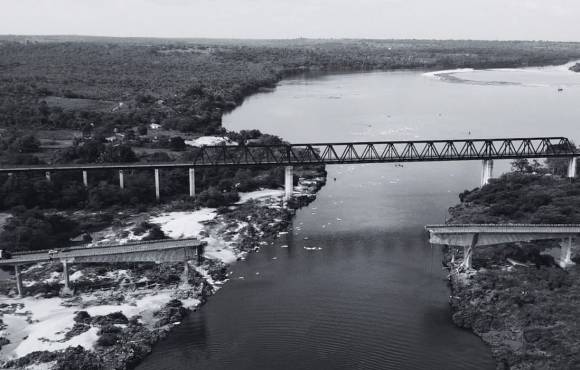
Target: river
column 372, row 295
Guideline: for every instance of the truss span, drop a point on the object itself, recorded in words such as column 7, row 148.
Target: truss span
column 348, row 152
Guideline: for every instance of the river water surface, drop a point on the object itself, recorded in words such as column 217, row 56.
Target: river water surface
column 372, row 295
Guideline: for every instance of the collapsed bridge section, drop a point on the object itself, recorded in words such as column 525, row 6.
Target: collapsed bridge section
column 163, row 251
column 470, row 236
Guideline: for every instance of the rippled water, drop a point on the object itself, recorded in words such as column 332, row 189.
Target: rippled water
column 374, row 296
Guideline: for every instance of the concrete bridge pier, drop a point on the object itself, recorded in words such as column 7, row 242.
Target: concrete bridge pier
column 566, row 253
column 85, row 178
column 185, row 270
column 486, row 171
column 192, row 182
column 199, row 253
column 468, row 252
column 157, row 192
column 467, row 257
column 18, row 281
column 572, row 168
column 121, row 179
column 288, row 182
column 66, row 290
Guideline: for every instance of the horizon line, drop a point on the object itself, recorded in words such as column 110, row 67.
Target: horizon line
column 183, row 38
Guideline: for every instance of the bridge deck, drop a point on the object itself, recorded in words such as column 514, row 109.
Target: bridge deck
column 472, row 234
column 505, row 228
column 90, row 254
column 347, row 152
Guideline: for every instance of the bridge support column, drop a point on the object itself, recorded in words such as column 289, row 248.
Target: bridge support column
column 572, row 168
column 192, row 182
column 18, row 281
column 288, row 182
column 121, row 179
column 486, row 171
column 157, row 192
column 467, row 257
column 47, row 174
column 199, row 253
column 566, row 253
column 66, row 290
column 468, row 252
column 85, row 178
column 186, row 269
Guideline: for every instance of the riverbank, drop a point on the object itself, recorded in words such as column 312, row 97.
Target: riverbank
column 517, row 299
column 118, row 313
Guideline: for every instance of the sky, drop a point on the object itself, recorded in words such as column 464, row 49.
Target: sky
column 422, row 19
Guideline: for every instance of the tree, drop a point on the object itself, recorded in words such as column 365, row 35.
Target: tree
column 177, row 144
column 26, row 144
column 521, row 165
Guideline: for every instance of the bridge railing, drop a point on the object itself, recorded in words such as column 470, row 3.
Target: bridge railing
column 88, row 246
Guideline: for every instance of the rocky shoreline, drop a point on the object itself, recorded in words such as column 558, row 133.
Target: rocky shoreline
column 120, row 338
column 517, row 299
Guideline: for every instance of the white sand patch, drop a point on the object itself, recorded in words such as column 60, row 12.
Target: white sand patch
column 76, row 275
column 209, row 141
column 178, row 225
column 260, row 194
column 144, row 306
column 50, row 322
column 43, row 322
column 41, row 366
column 53, row 278
column 220, row 250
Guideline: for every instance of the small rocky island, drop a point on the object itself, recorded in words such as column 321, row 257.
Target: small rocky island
column 575, row 67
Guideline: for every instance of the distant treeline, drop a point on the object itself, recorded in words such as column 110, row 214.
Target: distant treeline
column 187, row 85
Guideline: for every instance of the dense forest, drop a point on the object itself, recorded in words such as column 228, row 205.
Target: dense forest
column 531, row 193
column 100, row 84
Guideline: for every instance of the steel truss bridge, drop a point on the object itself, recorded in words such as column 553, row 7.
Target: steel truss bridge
column 346, row 153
